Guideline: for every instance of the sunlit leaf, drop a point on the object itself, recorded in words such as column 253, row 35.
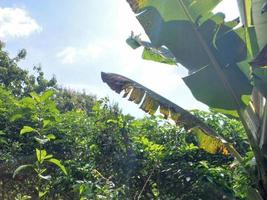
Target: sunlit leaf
column 40, row 155
column 46, row 122
column 41, row 140
column 155, row 55
column 41, row 194
column 210, row 48
column 51, row 137
column 208, row 143
column 35, row 96
column 58, row 163
column 27, row 129
column 48, row 177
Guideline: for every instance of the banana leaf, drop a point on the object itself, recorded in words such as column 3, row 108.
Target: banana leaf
column 215, row 53
column 151, row 102
column 162, row 54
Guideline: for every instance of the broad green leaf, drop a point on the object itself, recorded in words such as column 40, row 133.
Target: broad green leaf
column 150, row 102
column 259, row 65
column 20, row 168
column 260, row 22
column 58, row 163
column 27, row 129
column 200, row 85
column 205, row 44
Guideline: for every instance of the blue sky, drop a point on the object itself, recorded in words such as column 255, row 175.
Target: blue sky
column 76, row 40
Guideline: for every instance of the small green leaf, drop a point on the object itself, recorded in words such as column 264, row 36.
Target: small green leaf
column 48, row 156
column 22, row 167
column 2, row 133
column 46, row 95
column 112, row 121
column 46, row 122
column 27, row 129
column 3, row 141
column 48, row 177
column 35, row 96
column 51, row 137
column 58, row 163
column 16, row 117
column 41, row 141
column 41, row 194
column 40, row 155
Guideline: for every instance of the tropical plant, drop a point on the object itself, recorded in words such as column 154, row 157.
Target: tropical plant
column 43, row 112
column 231, row 57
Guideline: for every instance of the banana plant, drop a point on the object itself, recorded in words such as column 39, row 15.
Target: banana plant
column 231, row 57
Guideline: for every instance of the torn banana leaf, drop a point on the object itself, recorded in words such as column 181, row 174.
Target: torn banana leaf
column 161, row 55
column 208, row 143
column 150, row 102
column 157, row 56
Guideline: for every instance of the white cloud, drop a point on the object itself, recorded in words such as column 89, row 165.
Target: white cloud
column 70, row 55
column 16, row 22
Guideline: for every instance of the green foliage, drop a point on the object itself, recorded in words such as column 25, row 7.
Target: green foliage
column 17, row 80
column 150, row 157
column 61, row 144
column 205, row 44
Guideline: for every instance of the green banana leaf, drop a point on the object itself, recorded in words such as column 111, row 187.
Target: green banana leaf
column 260, row 23
column 259, row 65
column 215, row 53
column 253, row 14
column 162, row 55
column 150, row 102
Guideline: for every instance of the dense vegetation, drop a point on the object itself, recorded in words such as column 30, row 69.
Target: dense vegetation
column 60, row 144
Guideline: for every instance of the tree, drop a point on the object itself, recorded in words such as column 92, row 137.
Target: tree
column 214, row 51
column 18, row 80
